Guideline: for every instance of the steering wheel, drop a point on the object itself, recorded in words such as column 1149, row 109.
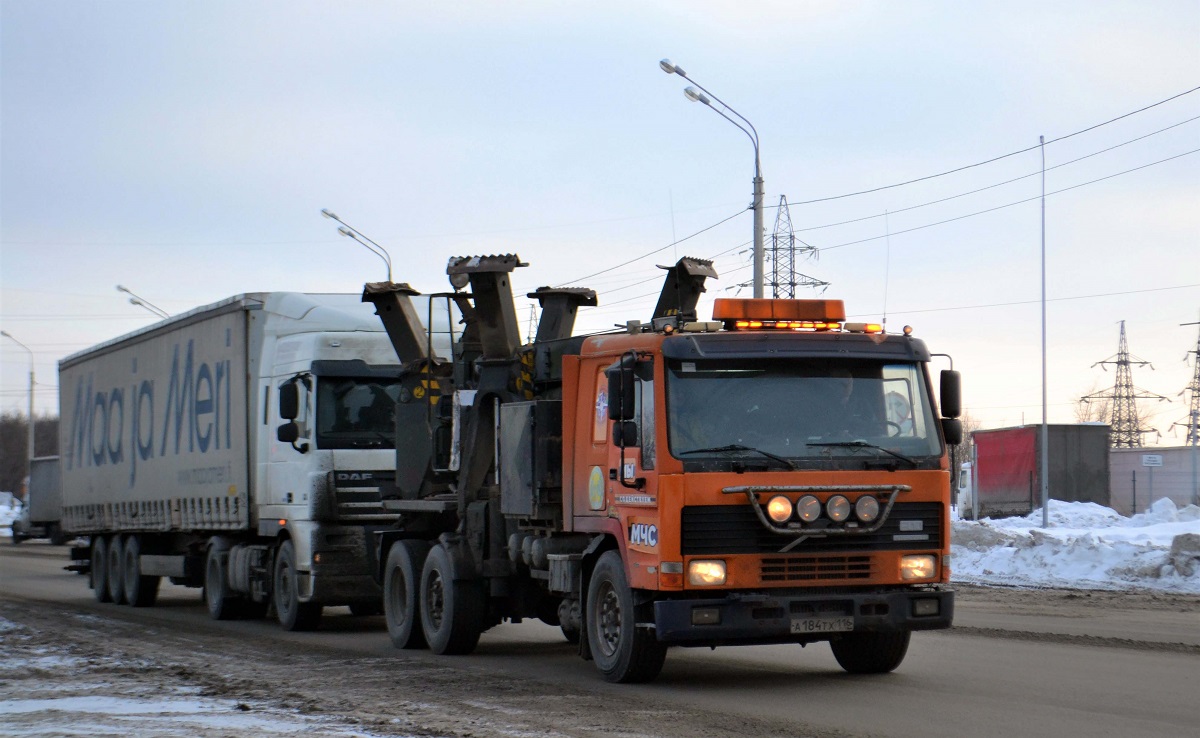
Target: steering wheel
column 891, row 426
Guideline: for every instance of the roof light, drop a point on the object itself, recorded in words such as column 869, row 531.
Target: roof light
column 731, row 309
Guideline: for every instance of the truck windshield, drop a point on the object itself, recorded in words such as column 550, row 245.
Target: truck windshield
column 817, row 409
column 356, row 413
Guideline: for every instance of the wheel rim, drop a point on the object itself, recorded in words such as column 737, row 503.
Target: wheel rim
column 285, row 587
column 608, row 622
column 435, row 598
column 212, row 584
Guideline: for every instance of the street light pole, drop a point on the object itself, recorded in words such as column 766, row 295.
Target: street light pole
column 704, row 97
column 29, row 467
column 142, row 302
column 356, row 235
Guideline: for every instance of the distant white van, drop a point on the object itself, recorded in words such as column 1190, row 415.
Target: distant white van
column 966, row 492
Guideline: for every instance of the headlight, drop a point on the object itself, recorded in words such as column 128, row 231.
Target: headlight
column 808, row 508
column 838, row 508
column 866, row 508
column 918, row 567
column 779, row 509
column 706, row 573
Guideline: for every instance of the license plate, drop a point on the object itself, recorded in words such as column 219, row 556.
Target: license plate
column 822, row 625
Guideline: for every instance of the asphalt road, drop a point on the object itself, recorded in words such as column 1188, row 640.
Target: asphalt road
column 1052, row 664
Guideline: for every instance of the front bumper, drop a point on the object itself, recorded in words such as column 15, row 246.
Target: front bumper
column 767, row 617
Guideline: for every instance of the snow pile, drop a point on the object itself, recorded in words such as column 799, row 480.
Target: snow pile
column 10, row 510
column 1086, row 546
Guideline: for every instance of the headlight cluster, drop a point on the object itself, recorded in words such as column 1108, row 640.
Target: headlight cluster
column 808, row 508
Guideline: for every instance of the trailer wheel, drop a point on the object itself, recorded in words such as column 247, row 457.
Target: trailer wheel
column 451, row 610
column 622, row 652
column 293, row 614
column 140, row 590
column 401, row 582
column 57, row 536
column 99, row 569
column 116, row 579
column 870, row 653
column 222, row 604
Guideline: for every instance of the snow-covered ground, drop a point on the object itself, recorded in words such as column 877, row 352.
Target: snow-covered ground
column 1086, row 546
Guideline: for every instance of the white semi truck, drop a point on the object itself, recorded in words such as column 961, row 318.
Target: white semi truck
column 243, row 447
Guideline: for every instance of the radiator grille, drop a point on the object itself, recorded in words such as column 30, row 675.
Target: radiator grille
column 815, row 568
column 735, row 529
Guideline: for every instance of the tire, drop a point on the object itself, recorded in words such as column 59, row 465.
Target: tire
column 57, row 536
column 140, row 590
column 571, row 634
column 293, row 614
column 116, row 569
column 870, row 653
column 401, row 582
column 451, row 611
column 222, row 603
column 622, row 652
column 100, row 569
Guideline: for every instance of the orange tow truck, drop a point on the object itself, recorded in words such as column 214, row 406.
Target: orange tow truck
column 772, row 475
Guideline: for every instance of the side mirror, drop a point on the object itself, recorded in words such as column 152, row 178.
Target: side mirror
column 620, row 389
column 951, row 394
column 952, row 429
column 289, row 401
column 625, row 433
column 290, row 433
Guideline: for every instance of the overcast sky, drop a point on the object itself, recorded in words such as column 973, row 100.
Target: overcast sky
column 185, row 150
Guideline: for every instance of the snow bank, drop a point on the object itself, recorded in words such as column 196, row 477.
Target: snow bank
column 1086, row 546
column 10, row 510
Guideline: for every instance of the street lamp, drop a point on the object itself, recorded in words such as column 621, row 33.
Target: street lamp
column 351, row 232
column 29, row 468
column 700, row 96
column 141, row 302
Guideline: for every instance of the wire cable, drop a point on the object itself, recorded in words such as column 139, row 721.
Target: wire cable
column 995, row 158
column 998, row 184
column 1009, row 205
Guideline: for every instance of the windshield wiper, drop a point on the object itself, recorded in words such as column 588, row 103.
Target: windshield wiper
column 739, row 447
column 864, row 444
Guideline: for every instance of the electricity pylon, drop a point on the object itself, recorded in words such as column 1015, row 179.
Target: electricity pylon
column 1126, row 431
column 1193, row 418
column 784, row 277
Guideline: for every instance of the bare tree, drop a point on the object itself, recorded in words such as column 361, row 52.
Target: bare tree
column 14, row 444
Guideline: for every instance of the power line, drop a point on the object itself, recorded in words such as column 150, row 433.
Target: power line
column 655, row 251
column 1009, row 205
column 995, row 158
column 1052, row 299
column 998, row 184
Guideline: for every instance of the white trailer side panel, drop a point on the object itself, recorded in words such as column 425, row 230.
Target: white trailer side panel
column 153, row 429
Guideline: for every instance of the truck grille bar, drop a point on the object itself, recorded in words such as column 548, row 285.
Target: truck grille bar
column 735, row 529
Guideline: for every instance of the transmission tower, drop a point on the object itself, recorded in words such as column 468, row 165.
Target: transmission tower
column 784, row 277
column 1192, row 422
column 1126, row 429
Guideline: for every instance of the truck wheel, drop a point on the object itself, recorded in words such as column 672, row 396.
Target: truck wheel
column 293, row 614
column 116, row 580
column 57, row 536
column 401, row 579
column 140, row 591
column 100, row 569
column 622, row 652
column 870, row 653
column 451, row 610
column 222, row 604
